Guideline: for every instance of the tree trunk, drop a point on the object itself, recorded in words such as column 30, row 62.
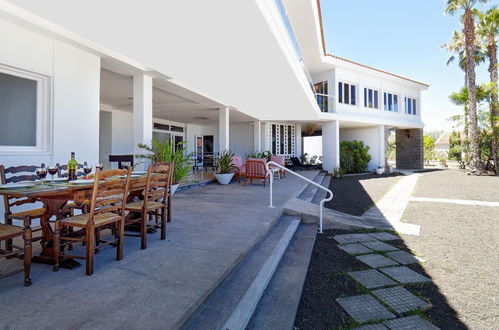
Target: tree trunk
column 494, row 102
column 469, row 33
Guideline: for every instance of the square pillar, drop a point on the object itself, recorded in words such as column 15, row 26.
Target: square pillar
column 142, row 111
column 299, row 141
column 257, row 135
column 331, row 145
column 381, row 161
column 410, row 153
column 223, row 129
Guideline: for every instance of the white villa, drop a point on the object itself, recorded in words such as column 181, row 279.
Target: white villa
column 99, row 77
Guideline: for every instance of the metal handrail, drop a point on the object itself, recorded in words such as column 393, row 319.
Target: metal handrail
column 321, row 204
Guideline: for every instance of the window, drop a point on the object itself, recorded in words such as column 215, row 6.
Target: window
column 24, row 111
column 391, row 102
column 371, row 98
column 347, row 93
column 410, row 105
column 321, row 95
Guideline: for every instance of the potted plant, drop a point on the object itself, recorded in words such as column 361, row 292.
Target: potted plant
column 380, row 170
column 168, row 152
column 225, row 167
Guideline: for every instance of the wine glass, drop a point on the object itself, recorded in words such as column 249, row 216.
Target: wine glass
column 41, row 172
column 87, row 169
column 52, row 171
column 99, row 166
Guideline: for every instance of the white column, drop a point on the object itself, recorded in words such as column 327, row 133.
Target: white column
column 223, row 129
column 382, row 145
column 331, row 145
column 257, row 135
column 298, row 142
column 142, row 111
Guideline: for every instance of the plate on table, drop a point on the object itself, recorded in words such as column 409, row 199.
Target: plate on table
column 59, row 180
column 18, row 185
column 82, row 182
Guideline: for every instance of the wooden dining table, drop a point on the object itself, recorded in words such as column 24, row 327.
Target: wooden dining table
column 54, row 198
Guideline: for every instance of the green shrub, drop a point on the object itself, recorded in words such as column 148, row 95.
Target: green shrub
column 354, row 156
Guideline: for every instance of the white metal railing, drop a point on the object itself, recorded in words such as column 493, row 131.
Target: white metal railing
column 321, row 204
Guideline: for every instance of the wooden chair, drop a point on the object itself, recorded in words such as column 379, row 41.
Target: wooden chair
column 11, row 175
column 256, row 169
column 106, row 210
column 156, row 199
column 281, row 160
column 9, row 232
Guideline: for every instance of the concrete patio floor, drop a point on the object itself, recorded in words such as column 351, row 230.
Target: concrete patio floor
column 213, row 227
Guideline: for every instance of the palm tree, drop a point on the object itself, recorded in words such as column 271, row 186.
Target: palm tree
column 488, row 29
column 453, row 6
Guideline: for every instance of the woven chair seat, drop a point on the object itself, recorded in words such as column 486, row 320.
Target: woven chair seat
column 35, row 213
column 137, row 206
column 9, row 231
column 81, row 220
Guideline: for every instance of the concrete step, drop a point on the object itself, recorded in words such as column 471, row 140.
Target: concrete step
column 310, row 190
column 278, row 307
column 233, row 302
column 321, row 194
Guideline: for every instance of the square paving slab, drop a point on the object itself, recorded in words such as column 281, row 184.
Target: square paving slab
column 354, row 238
column 412, row 322
column 404, row 275
column 371, row 278
column 379, row 326
column 355, row 248
column 403, row 257
column 377, row 260
column 380, row 246
column 383, row 236
column 364, row 308
column 400, row 300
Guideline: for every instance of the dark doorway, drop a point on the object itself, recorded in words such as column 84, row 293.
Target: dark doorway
column 177, row 139
column 208, row 144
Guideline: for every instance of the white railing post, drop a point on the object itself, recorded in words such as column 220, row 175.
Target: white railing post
column 321, row 204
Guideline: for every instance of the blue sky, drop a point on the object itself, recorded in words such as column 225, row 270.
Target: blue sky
column 403, row 37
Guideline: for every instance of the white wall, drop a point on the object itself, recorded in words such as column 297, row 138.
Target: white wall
column 74, row 75
column 312, row 145
column 364, row 80
column 74, row 104
column 371, row 136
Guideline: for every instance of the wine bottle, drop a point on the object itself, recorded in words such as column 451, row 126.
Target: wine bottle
column 72, row 167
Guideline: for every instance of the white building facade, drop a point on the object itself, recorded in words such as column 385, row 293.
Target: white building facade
column 99, row 77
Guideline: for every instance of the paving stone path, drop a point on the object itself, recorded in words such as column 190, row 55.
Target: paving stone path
column 389, row 299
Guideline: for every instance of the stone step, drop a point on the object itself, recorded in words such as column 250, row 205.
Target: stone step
column 278, row 307
column 311, row 190
column 232, row 303
column 321, row 194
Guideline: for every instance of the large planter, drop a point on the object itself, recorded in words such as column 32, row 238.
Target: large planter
column 224, row 178
column 174, row 188
column 380, row 171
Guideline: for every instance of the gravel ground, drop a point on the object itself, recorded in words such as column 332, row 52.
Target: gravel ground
column 356, row 194
column 461, row 247
column 460, row 243
column 456, row 184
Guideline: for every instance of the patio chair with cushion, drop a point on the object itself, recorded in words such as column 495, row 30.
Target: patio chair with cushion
column 239, row 166
column 256, row 169
column 107, row 209
column 297, row 165
column 155, row 202
column 11, row 175
column 9, row 232
column 281, row 160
